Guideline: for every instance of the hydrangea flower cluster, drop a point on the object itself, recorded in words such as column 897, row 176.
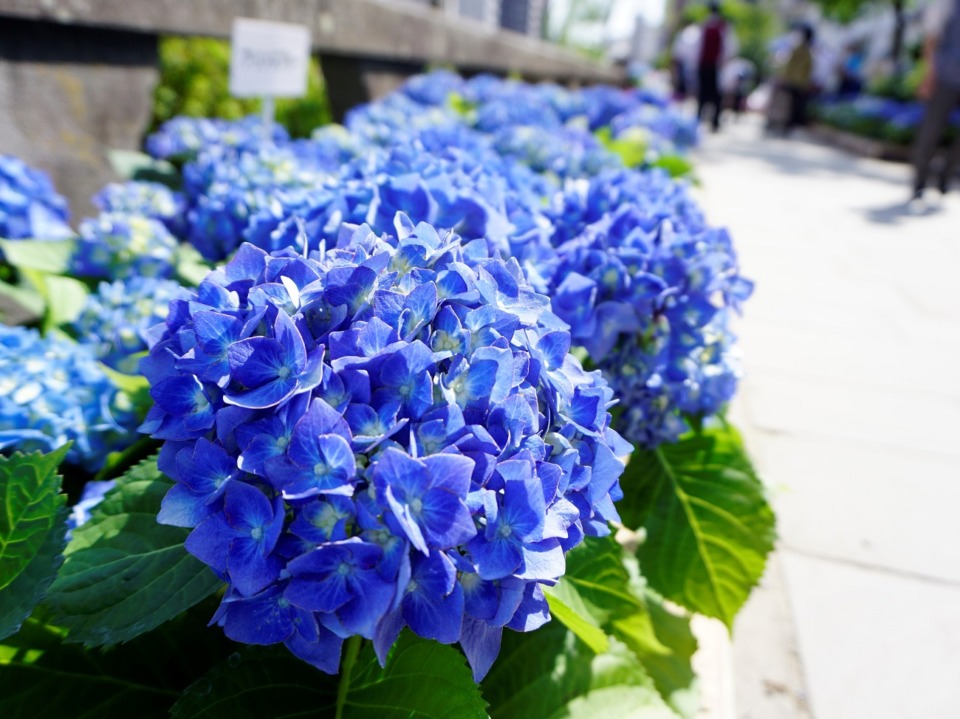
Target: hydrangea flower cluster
column 651, row 303
column 29, row 206
column 115, row 246
column 227, row 190
column 546, row 126
column 182, row 138
column 117, row 318
column 53, row 391
column 653, row 195
column 667, row 132
column 389, row 432
column 569, row 152
column 880, row 117
column 146, row 199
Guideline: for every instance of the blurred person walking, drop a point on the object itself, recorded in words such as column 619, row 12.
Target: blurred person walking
column 685, row 52
column 737, row 79
column 716, row 44
column 940, row 89
column 796, row 78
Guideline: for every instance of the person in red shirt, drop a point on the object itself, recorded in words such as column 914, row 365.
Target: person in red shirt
column 712, row 54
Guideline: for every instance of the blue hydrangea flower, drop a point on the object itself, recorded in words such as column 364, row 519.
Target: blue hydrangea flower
column 53, row 391
column 386, row 431
column 29, row 206
column 92, row 495
column 146, row 199
column 117, row 318
column 117, row 246
column 230, row 193
column 651, row 302
column 182, row 138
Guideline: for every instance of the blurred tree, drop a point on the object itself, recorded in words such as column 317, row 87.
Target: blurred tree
column 846, row 10
column 578, row 24
column 194, row 80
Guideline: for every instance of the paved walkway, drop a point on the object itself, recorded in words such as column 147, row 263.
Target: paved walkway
column 851, row 409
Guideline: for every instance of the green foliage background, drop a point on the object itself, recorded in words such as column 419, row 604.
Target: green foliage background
column 194, row 81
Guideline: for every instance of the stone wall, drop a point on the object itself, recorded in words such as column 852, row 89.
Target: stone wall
column 69, row 94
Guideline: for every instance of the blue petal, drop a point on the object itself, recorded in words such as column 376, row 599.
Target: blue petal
column 257, row 361
column 407, row 521
column 179, row 395
column 554, row 346
column 210, row 542
column 319, row 594
column 445, row 519
column 372, row 600
column 182, row 508
column 496, row 558
column 260, row 619
column 322, row 652
column 481, row 644
column 251, row 568
column 435, row 617
column 408, row 477
column 215, row 331
column 450, row 471
column 388, row 629
column 543, row 560
column 533, row 611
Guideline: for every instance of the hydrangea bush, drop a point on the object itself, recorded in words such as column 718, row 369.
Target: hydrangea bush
column 366, row 433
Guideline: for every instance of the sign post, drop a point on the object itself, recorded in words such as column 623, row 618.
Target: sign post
column 268, row 60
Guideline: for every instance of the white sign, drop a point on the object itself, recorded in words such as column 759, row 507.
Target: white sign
column 269, row 59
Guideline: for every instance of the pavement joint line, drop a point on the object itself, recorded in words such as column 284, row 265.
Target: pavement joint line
column 870, row 567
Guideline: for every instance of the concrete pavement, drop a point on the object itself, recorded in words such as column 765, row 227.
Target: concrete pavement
column 851, row 410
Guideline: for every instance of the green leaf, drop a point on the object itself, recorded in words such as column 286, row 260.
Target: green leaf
column 20, row 304
column 19, row 598
column 133, row 165
column 567, row 607
column 550, row 673
column 129, row 383
column 123, row 573
column 607, row 585
column 135, row 386
column 624, row 702
column 421, row 679
column 708, row 525
column 119, row 462
column 51, row 256
column 676, row 165
column 65, row 300
column 41, row 676
column 190, row 266
column 31, row 689
column 30, row 503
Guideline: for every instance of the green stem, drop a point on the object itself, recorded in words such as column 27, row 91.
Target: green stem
column 349, row 659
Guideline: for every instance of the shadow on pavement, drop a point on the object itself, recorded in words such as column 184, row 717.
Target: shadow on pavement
column 894, row 214
column 800, row 154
